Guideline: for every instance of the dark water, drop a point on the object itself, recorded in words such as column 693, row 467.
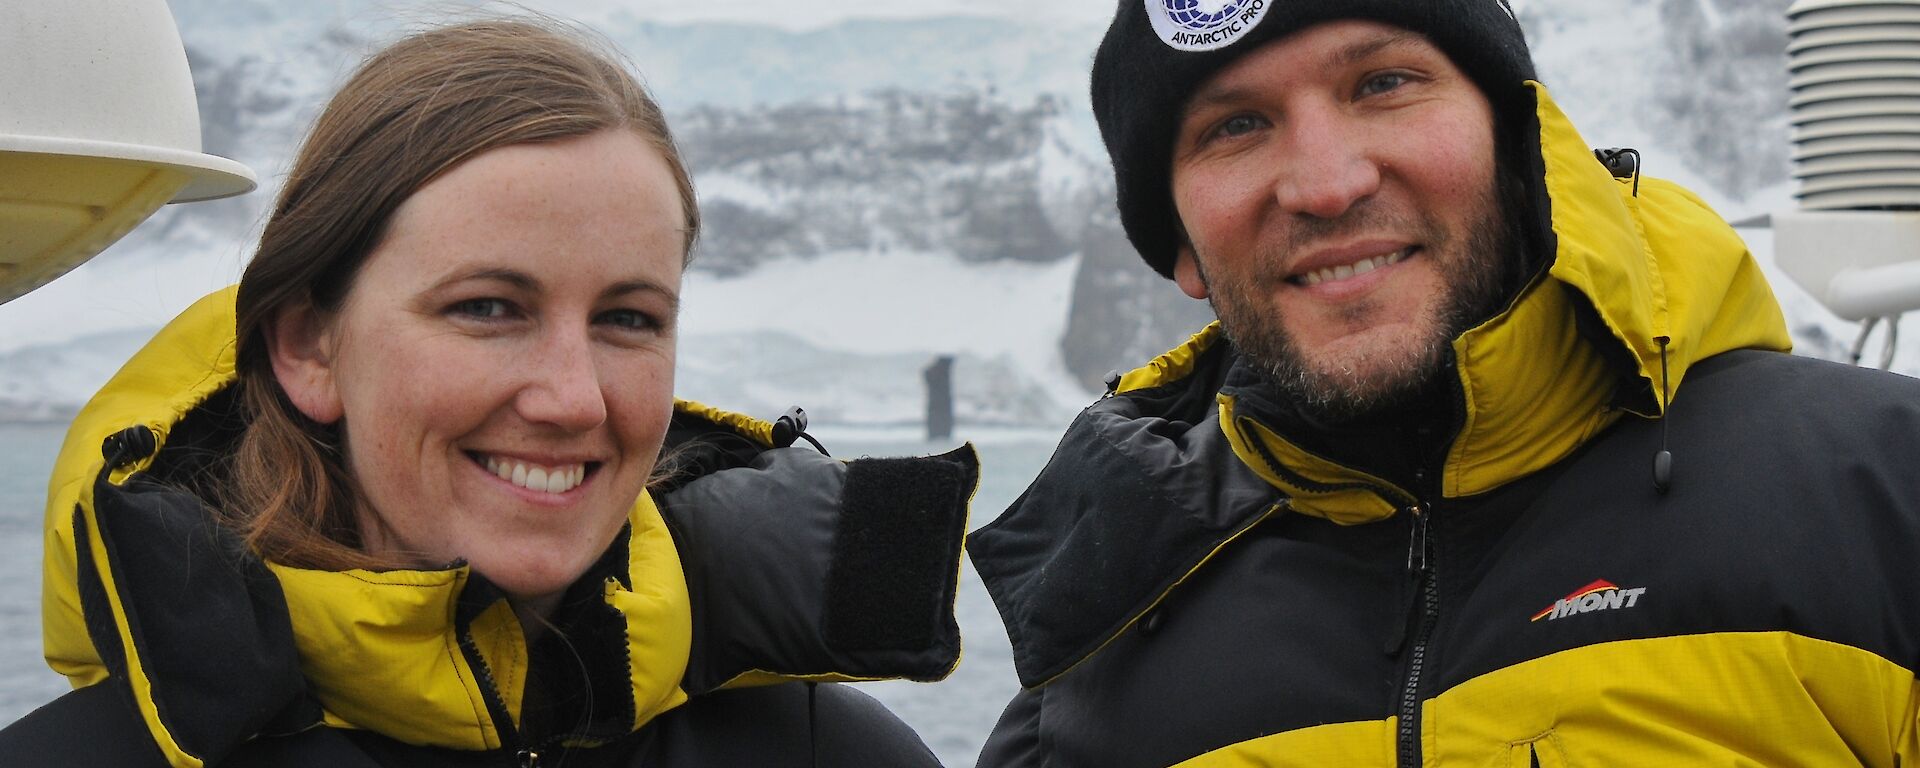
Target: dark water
column 953, row 716
column 26, row 457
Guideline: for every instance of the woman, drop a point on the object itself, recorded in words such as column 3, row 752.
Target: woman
column 378, row 505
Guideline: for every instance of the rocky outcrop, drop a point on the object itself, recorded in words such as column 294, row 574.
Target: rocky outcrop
column 1124, row 314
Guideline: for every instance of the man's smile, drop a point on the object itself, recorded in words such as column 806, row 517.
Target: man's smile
column 1344, row 271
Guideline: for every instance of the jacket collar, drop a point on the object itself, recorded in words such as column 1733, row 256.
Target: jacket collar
column 415, row 654
column 1649, row 266
column 381, row 651
column 1141, row 492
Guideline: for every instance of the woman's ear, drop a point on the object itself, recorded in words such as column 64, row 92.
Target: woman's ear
column 1186, row 273
column 300, row 343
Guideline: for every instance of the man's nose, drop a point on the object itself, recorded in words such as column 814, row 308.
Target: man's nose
column 1327, row 166
column 563, row 382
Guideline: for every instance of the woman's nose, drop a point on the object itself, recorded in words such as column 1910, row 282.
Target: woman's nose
column 563, row 383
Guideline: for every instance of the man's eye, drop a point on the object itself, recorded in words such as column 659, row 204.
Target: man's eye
column 1382, row 83
column 1238, row 125
column 486, row 309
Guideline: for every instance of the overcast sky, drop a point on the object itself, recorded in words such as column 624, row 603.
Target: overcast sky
column 807, row 14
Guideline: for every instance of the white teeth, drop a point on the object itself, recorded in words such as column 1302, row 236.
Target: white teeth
column 537, row 477
column 1355, row 269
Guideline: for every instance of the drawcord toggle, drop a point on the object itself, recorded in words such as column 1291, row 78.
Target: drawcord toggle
column 1663, row 461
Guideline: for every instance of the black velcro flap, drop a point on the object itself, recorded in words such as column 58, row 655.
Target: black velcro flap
column 896, row 550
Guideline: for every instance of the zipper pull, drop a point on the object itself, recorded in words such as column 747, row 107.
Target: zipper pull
column 529, row 759
column 1417, row 569
column 1417, row 546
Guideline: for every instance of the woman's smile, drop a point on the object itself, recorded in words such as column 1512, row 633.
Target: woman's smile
column 553, row 479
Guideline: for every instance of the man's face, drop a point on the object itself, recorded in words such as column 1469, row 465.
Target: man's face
column 1337, row 188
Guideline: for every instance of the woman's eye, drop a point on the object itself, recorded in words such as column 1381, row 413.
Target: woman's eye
column 485, row 309
column 1382, row 83
column 629, row 319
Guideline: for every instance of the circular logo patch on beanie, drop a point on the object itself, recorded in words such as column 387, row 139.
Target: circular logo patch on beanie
column 1204, row 25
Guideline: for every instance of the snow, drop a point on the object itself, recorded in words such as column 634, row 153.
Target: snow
column 891, row 302
column 844, row 335
column 735, row 189
column 872, row 307
column 122, row 289
column 881, row 314
column 814, row 14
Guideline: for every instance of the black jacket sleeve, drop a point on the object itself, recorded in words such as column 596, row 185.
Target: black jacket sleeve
column 1015, row 741
column 803, row 566
column 796, row 725
column 852, row 729
column 96, row 725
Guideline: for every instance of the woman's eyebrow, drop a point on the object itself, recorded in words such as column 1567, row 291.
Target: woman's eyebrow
column 643, row 286
column 513, row 277
column 531, row 284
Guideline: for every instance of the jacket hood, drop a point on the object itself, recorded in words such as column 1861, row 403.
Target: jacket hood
column 1140, row 494
column 379, row 650
column 1644, row 281
column 436, row 657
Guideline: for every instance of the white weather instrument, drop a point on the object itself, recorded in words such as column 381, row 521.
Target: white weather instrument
column 1854, row 242
column 98, row 129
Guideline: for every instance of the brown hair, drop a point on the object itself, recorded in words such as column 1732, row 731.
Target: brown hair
column 410, row 113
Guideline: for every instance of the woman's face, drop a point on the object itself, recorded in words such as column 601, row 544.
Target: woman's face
column 503, row 364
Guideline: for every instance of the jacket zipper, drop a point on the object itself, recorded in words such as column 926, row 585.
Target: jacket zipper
column 1420, row 567
column 525, row 755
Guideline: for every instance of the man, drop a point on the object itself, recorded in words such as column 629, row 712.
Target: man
column 1494, row 458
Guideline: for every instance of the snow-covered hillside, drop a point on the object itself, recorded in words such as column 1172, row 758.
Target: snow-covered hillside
column 1698, row 86
column 844, row 335
column 939, row 178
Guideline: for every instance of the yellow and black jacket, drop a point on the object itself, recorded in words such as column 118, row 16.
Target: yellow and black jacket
column 1499, row 580
column 756, row 566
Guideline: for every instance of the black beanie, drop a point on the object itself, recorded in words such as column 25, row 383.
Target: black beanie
column 1142, row 80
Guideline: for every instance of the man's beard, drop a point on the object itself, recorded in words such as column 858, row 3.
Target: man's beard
column 1477, row 271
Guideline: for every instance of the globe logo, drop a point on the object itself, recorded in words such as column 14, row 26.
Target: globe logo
column 1192, row 14
column 1204, row 25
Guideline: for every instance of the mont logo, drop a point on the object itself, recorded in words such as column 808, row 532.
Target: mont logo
column 1203, row 25
column 1602, row 595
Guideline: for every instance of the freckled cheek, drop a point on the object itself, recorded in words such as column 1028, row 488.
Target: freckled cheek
column 431, row 394
column 640, row 398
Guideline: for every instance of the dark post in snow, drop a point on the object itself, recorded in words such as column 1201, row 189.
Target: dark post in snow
column 939, row 378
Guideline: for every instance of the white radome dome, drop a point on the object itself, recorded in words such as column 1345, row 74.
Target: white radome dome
column 98, row 129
